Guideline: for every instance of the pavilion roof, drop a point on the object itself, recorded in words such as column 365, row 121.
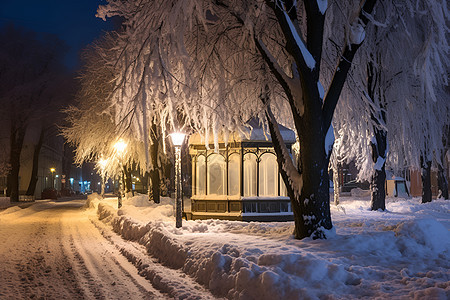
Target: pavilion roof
column 253, row 132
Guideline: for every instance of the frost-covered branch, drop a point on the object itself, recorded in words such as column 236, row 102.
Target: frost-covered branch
column 290, row 85
column 345, row 61
column 288, row 171
column 297, row 46
column 315, row 11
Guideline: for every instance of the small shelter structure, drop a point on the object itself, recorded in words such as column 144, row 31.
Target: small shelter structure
column 241, row 180
column 396, row 186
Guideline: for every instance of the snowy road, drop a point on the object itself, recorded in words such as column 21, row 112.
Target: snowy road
column 53, row 251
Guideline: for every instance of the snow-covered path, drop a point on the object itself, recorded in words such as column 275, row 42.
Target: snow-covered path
column 52, row 250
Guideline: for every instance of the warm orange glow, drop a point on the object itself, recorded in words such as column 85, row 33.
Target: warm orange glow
column 120, row 146
column 102, row 162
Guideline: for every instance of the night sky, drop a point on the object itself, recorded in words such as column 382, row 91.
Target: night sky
column 72, row 21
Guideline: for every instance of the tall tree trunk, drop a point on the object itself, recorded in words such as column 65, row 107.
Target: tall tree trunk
column 16, row 140
column 154, row 172
column 314, row 201
column 379, row 141
column 155, row 185
column 378, row 190
column 336, row 187
column 310, row 198
column 312, row 113
column 34, row 172
column 127, row 179
column 442, row 183
column 378, row 179
column 426, row 180
column 146, row 185
column 313, row 205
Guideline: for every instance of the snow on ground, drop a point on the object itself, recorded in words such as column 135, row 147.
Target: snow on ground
column 401, row 253
column 51, row 250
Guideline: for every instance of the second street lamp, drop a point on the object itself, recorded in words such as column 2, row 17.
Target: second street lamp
column 52, row 170
column 177, row 140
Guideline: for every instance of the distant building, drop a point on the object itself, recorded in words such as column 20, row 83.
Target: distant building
column 50, row 158
column 55, row 170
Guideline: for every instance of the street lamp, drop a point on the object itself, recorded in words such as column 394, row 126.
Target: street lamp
column 120, row 147
column 177, row 140
column 52, row 170
column 102, row 163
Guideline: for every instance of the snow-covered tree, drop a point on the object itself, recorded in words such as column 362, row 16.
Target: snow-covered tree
column 442, row 178
column 110, row 108
column 90, row 122
column 225, row 61
column 406, row 59
column 426, row 113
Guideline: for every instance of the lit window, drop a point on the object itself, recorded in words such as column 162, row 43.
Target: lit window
column 200, row 175
column 268, row 175
column 234, row 171
column 216, row 174
column 250, row 166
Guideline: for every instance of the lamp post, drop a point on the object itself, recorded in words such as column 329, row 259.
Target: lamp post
column 102, row 162
column 52, row 170
column 120, row 147
column 177, row 140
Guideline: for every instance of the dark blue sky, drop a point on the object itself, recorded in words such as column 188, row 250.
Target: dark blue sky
column 73, row 21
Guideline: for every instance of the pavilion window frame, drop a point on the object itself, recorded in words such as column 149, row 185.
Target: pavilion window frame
column 258, row 149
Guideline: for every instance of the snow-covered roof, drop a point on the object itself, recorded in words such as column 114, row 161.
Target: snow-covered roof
column 254, row 133
column 391, row 176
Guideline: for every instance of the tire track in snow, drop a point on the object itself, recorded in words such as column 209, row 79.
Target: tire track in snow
column 96, row 260
column 174, row 282
column 35, row 266
column 84, row 276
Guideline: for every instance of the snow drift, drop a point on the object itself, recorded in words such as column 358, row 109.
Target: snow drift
column 372, row 254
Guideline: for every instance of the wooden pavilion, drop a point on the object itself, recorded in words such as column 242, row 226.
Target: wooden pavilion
column 241, row 180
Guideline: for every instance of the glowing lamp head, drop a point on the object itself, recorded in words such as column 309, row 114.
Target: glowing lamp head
column 52, row 170
column 120, row 146
column 177, row 138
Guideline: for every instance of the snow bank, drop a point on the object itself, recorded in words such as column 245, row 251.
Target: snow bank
column 4, row 202
column 422, row 238
column 10, row 210
column 105, row 212
column 371, row 255
column 92, row 201
column 163, row 211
